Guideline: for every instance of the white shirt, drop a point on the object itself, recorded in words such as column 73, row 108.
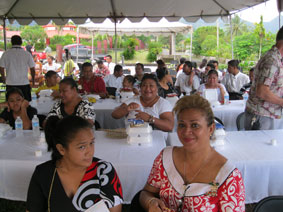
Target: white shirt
column 235, row 83
column 112, row 81
column 53, row 67
column 202, row 88
column 17, row 62
column 110, row 66
column 220, row 75
column 183, row 82
column 161, row 106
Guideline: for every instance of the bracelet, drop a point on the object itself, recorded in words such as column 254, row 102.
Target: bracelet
column 150, row 200
column 151, row 120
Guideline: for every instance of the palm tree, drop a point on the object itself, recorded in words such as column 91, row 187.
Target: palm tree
column 260, row 33
column 238, row 27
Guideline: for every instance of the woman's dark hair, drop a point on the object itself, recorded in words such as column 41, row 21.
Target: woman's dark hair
column 212, row 71
column 234, row 63
column 69, row 81
column 12, row 91
column 189, row 64
column 62, row 132
column 150, row 76
column 194, row 64
column 161, row 73
column 130, row 79
column 51, row 57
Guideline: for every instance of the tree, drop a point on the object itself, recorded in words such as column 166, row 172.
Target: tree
column 238, row 27
column 245, row 46
column 129, row 46
column 35, row 35
column 200, row 35
column 154, row 48
column 259, row 32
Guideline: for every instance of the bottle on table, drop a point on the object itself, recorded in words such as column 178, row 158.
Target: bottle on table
column 245, row 97
column 19, row 126
column 117, row 95
column 33, row 100
column 35, row 126
column 226, row 98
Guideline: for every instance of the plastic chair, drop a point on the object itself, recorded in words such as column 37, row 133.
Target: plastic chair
column 270, row 204
column 219, row 121
column 240, row 121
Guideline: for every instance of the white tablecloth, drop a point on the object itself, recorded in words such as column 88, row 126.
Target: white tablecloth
column 229, row 113
column 132, row 163
column 103, row 110
column 260, row 163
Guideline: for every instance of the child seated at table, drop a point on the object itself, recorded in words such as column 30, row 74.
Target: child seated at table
column 50, row 83
column 17, row 106
column 128, row 84
column 73, row 180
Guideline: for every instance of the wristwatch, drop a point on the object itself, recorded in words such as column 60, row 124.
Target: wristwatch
column 151, row 120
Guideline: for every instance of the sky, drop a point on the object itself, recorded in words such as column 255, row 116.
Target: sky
column 268, row 10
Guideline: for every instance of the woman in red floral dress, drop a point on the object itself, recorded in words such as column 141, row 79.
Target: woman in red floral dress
column 194, row 177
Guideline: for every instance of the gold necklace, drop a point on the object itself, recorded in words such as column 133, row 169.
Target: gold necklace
column 196, row 174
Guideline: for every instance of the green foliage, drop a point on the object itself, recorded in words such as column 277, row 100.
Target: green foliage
column 35, row 35
column 247, row 65
column 164, row 41
column 129, row 48
column 154, row 48
column 244, row 45
column 9, row 45
column 200, row 35
column 62, row 40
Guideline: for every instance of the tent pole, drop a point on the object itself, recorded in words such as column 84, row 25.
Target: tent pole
column 279, row 20
column 231, row 28
column 115, row 45
column 78, row 37
column 191, row 44
column 91, row 46
column 4, row 34
column 217, row 35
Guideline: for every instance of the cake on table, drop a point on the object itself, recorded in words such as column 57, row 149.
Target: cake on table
column 139, row 132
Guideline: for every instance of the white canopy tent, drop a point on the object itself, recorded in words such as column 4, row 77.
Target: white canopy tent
column 145, row 27
column 42, row 11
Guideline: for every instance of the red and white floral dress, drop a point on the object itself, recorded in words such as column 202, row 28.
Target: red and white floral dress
column 227, row 193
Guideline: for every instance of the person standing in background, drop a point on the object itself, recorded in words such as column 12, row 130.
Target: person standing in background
column 110, row 65
column 265, row 101
column 16, row 61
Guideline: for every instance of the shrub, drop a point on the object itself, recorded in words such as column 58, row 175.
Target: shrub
column 154, row 48
column 130, row 45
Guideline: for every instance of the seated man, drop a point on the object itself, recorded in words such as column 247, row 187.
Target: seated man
column 102, row 70
column 234, row 80
column 116, row 79
column 91, row 84
column 50, row 83
column 187, row 82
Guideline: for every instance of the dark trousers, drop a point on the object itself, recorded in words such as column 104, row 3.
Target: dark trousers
column 26, row 89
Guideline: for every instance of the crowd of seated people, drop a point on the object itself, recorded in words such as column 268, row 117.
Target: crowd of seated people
column 68, row 130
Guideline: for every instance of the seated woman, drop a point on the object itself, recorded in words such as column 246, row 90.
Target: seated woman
column 50, row 83
column 91, row 84
column 128, row 84
column 71, row 102
column 193, row 177
column 148, row 106
column 73, row 180
column 165, row 83
column 17, row 106
column 212, row 83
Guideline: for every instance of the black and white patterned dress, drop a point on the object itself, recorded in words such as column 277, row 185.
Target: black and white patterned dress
column 84, row 109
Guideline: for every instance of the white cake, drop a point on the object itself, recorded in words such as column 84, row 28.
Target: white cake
column 125, row 95
column 139, row 135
